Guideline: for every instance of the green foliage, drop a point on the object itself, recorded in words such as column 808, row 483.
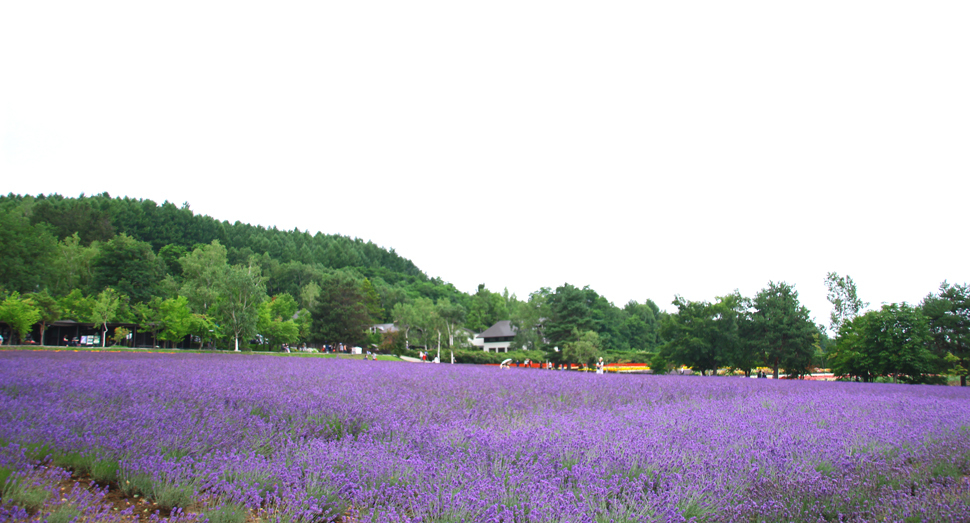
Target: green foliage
column 276, row 320
column 170, row 256
column 65, row 513
column 28, row 497
column 480, row 357
column 20, row 314
column 845, row 301
column 104, row 310
column 641, row 327
column 892, row 341
column 702, row 335
column 584, row 350
column 956, row 367
column 16, row 489
column 203, row 270
column 411, row 317
column 948, row 315
column 569, row 314
column 527, row 320
column 49, row 310
column 149, row 315
column 129, row 266
column 240, row 294
column 781, row 330
column 104, row 471
column 451, row 316
column 659, row 364
column 485, row 309
column 341, row 314
column 228, row 513
column 176, row 318
column 71, row 268
column 26, row 252
column 372, row 302
column 119, row 335
column 81, row 216
column 76, row 306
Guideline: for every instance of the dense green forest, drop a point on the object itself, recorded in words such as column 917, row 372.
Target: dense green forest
column 188, row 278
column 162, row 261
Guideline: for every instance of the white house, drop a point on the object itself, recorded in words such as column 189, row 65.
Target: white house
column 498, row 337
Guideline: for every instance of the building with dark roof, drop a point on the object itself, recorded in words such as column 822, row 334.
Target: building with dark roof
column 498, row 337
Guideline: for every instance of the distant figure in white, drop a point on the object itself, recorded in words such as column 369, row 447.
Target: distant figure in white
column 599, row 366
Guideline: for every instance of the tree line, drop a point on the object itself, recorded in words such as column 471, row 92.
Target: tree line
column 899, row 342
column 119, row 260
column 184, row 276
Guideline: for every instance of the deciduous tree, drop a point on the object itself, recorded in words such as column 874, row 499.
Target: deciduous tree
column 203, row 270
column 782, row 330
column 129, row 266
column 948, row 314
column 104, row 311
column 20, row 314
column 276, row 320
column 26, row 252
column 702, row 335
column 240, row 293
column 76, row 306
column 177, row 320
column 845, row 301
column 584, row 349
column 893, row 341
column 49, row 310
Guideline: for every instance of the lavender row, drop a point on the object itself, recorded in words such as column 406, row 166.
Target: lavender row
column 313, row 440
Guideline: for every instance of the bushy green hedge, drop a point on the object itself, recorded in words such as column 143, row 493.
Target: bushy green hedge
column 480, row 357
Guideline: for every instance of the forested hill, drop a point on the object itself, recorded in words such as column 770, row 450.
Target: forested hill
column 165, row 226
column 158, row 264
column 62, row 244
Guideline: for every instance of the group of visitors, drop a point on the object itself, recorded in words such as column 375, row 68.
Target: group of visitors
column 424, row 358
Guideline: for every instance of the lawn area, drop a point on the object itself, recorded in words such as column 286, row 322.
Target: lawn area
column 224, row 436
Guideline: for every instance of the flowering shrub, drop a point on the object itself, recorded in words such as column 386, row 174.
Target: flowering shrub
column 300, row 439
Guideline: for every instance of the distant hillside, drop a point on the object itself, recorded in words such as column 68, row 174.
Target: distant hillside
column 58, row 244
column 101, row 217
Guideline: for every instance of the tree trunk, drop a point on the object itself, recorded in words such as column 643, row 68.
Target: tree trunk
column 775, row 370
column 439, row 345
column 237, row 343
column 104, row 335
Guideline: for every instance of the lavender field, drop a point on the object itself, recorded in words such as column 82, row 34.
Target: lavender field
column 313, row 440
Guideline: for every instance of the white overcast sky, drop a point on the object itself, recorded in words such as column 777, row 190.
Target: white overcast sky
column 645, row 149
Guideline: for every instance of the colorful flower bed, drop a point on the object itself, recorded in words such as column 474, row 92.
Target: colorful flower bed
column 289, row 439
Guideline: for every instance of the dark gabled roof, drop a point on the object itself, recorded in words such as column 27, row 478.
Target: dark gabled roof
column 501, row 329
